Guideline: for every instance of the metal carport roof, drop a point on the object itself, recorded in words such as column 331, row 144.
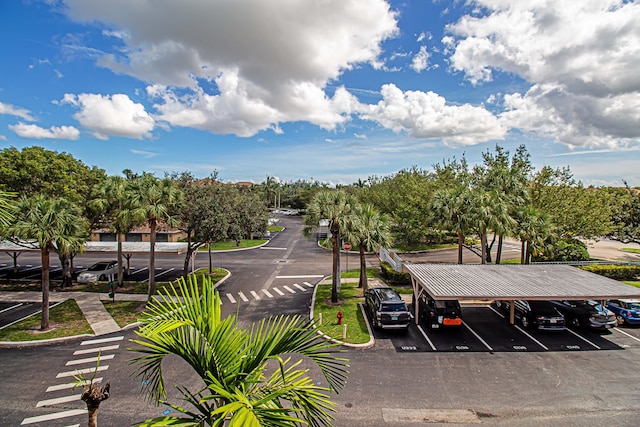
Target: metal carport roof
column 515, row 282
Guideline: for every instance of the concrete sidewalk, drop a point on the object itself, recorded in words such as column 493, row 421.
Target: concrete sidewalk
column 89, row 302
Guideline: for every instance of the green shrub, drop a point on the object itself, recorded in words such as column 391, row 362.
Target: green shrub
column 617, row 272
column 393, row 277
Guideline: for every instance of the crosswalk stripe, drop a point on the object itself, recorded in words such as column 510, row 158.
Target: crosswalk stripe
column 278, row 291
column 96, row 349
column 289, row 289
column 102, row 340
column 308, row 284
column 243, row 297
column 231, row 298
column 82, row 371
column 70, row 385
column 300, row 287
column 267, row 293
column 255, row 295
column 90, row 360
column 63, row 399
column 54, row 416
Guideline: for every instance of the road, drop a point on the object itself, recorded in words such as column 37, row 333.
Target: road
column 401, row 381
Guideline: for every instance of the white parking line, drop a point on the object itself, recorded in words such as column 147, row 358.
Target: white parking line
column 12, row 307
column 267, row 293
column 289, row 289
column 82, row 371
column 102, row 340
column 70, row 385
column 164, row 272
column 627, row 334
column 299, row 277
column 532, row 338
column 497, row 312
column 274, row 248
column 300, row 287
column 424, row 334
column 231, row 298
column 243, row 297
column 278, row 291
column 255, row 295
column 477, row 336
column 89, row 360
column 308, row 284
column 54, row 416
column 29, row 315
column 583, row 338
column 64, row 399
column 96, row 349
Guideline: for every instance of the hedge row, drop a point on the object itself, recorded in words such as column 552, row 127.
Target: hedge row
column 617, row 272
column 394, row 277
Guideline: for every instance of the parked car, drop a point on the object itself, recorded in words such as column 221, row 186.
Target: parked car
column 99, row 271
column 627, row 311
column 586, row 314
column 541, row 315
column 387, row 309
column 438, row 313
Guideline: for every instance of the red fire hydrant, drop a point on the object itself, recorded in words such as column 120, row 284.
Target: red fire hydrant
column 340, row 317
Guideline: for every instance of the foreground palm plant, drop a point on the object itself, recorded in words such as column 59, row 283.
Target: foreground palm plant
column 93, row 393
column 248, row 381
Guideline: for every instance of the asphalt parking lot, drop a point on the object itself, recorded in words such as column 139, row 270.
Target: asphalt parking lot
column 486, row 329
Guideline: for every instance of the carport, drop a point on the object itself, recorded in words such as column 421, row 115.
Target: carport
column 513, row 282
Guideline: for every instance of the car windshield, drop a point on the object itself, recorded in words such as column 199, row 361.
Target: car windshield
column 635, row 305
column 397, row 306
column 98, row 266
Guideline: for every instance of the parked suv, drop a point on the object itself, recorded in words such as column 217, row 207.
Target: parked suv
column 438, row 313
column 542, row 315
column 387, row 309
column 581, row 314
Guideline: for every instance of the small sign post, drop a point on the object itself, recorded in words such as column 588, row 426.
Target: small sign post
column 347, row 247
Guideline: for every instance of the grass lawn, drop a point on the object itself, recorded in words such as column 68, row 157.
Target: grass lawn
column 124, row 312
column 231, row 244
column 632, row 250
column 275, row 228
column 635, row 283
column 350, row 296
column 424, row 247
column 65, row 320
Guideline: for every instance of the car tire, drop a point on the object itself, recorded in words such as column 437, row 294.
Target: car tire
column 575, row 322
column 621, row 320
column 524, row 321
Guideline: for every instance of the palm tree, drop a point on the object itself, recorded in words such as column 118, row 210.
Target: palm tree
column 451, row 209
column 111, row 198
column 153, row 200
column 490, row 212
column 533, row 229
column 7, row 207
column 231, row 361
column 338, row 208
column 52, row 224
column 370, row 232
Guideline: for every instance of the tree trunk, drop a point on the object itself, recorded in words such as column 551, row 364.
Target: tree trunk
column 44, row 252
column 120, row 269
column 152, row 258
column 363, row 282
column 499, row 251
column 93, row 395
column 187, row 258
column 523, row 249
column 210, row 260
column 460, row 246
column 335, row 240
column 483, row 243
column 65, row 262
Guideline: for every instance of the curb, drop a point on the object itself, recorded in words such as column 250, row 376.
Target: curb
column 38, row 343
column 364, row 346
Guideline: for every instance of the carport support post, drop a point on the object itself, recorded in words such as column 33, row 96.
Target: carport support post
column 416, row 295
column 512, row 312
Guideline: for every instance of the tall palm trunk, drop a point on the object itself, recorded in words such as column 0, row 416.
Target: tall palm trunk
column 120, row 269
column 335, row 240
column 152, row 258
column 93, row 395
column 499, row 250
column 483, row 243
column 44, row 252
column 523, row 250
column 363, row 282
column 460, row 245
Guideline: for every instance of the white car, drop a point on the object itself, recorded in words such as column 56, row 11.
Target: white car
column 102, row 270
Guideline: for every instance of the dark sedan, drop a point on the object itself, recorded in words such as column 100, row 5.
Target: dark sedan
column 586, row 314
column 541, row 315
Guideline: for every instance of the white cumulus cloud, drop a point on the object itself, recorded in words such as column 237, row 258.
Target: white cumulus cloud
column 246, row 65
column 427, row 115
column 54, row 132
column 12, row 110
column 420, row 60
column 582, row 59
column 111, row 115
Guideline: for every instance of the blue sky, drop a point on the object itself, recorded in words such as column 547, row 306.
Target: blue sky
column 333, row 90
